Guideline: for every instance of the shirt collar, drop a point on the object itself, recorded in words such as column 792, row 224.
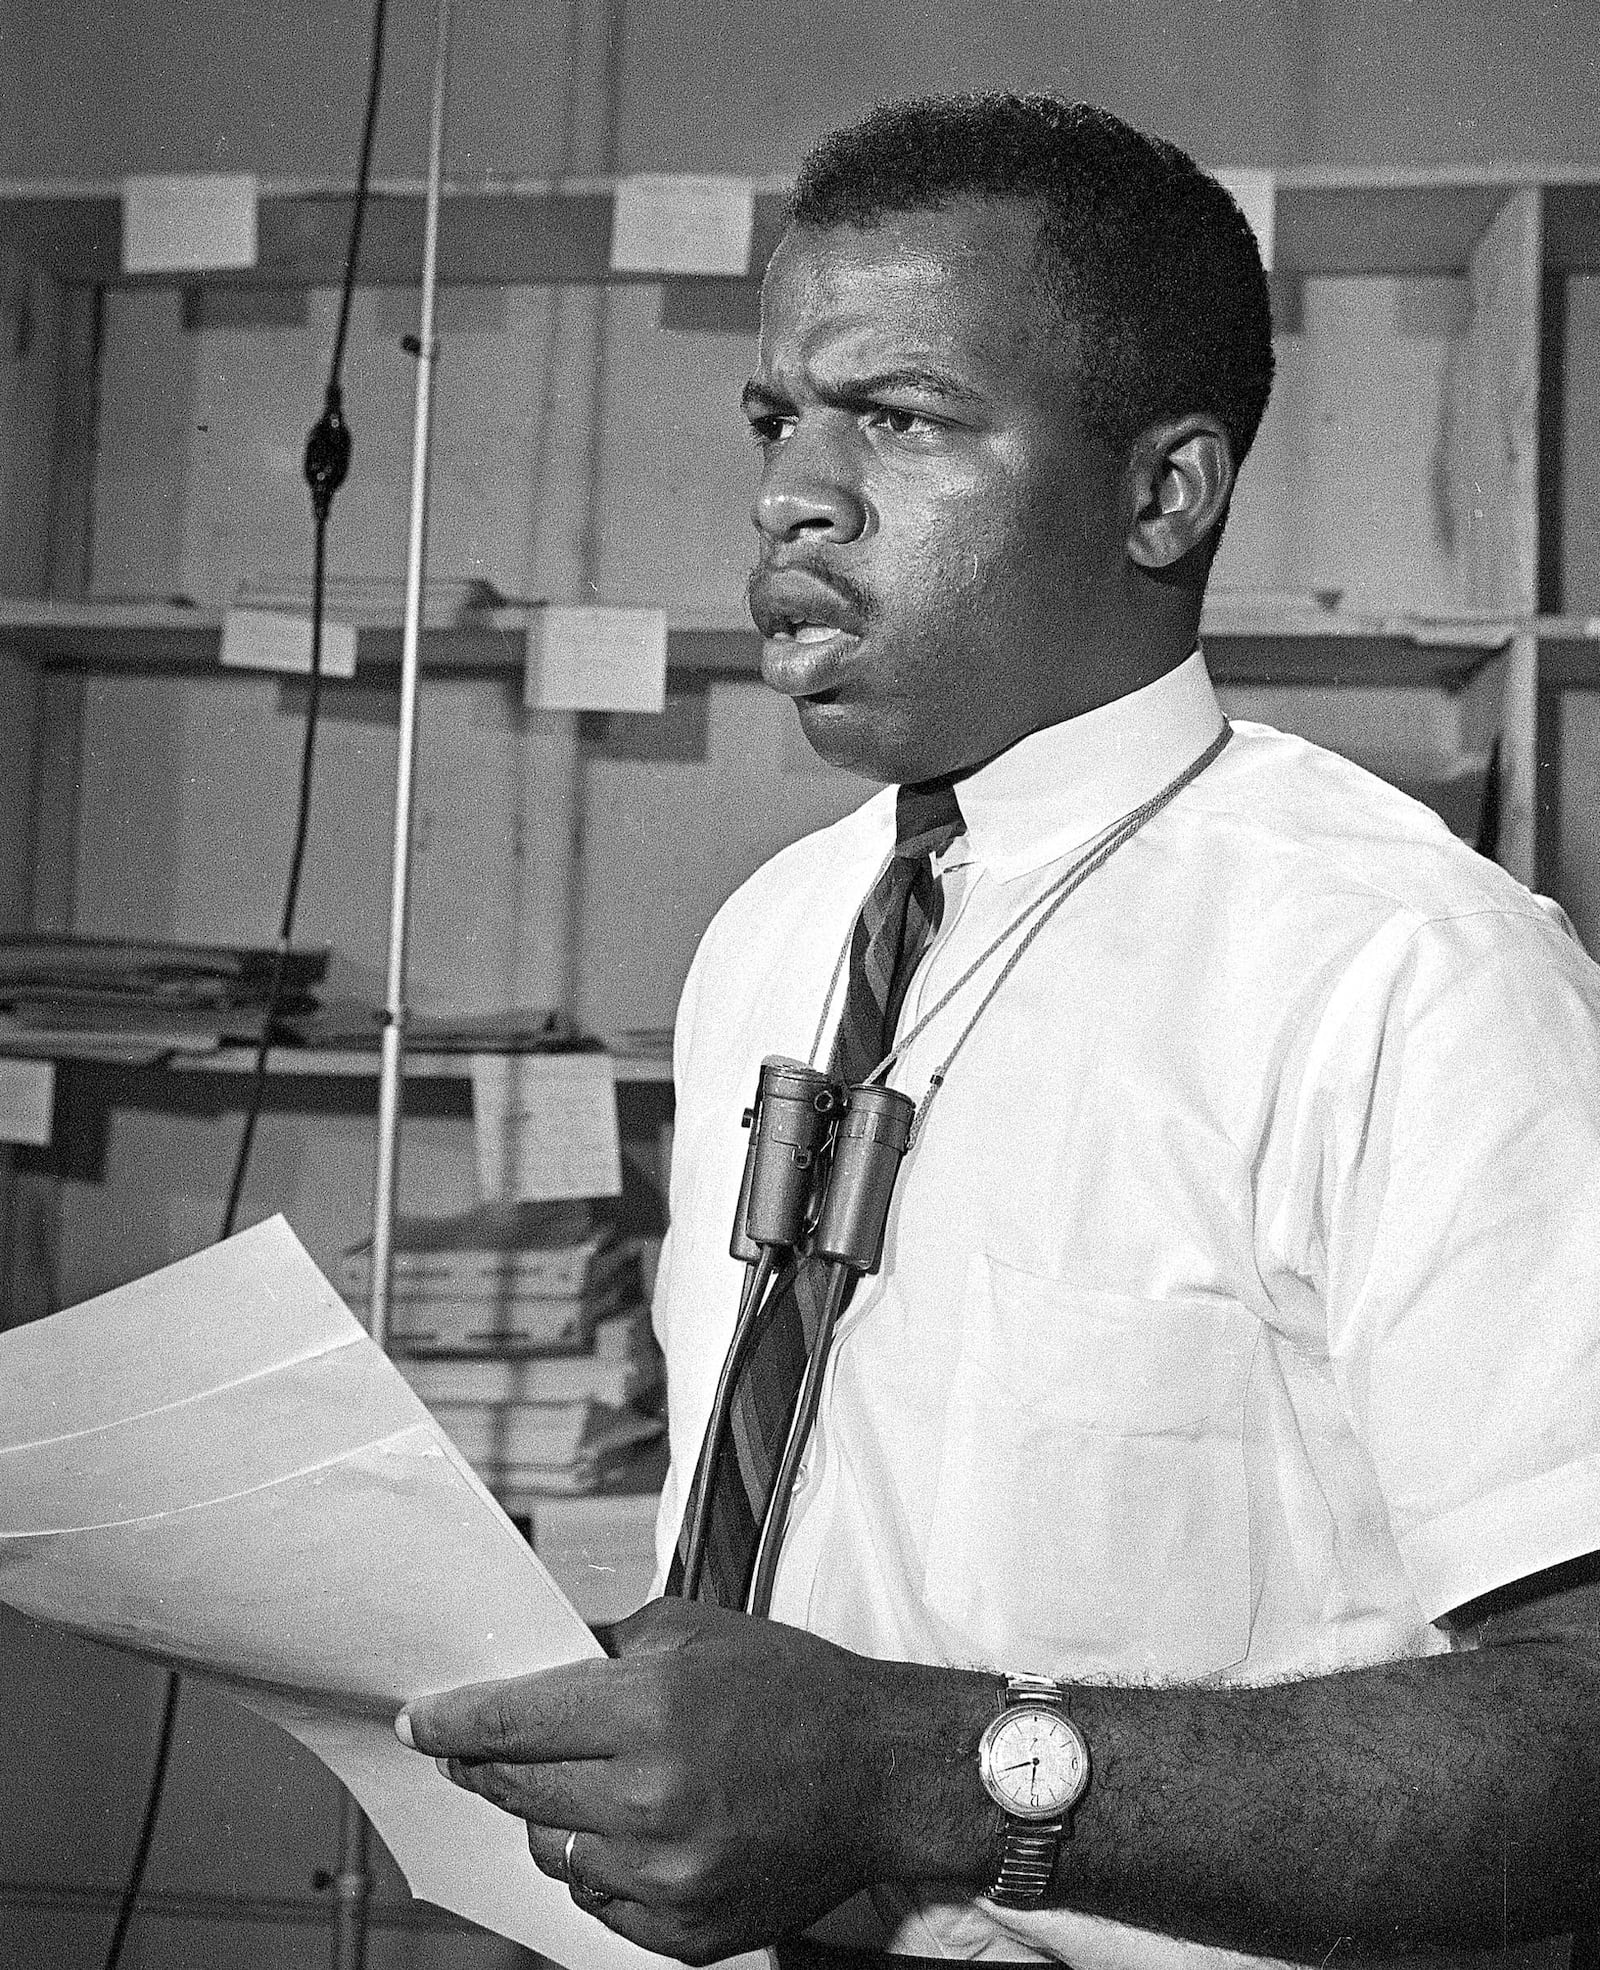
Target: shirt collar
column 1059, row 787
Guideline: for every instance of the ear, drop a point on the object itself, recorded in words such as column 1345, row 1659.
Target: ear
column 1179, row 481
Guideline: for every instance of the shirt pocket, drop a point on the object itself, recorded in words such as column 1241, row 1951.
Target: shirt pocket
column 1090, row 1512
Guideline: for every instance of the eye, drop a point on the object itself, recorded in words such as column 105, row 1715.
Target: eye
column 770, row 427
column 900, row 422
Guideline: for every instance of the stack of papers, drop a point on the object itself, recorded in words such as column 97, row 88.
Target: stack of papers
column 216, row 1468
column 537, row 1426
column 69, row 993
column 504, row 1278
column 521, row 1327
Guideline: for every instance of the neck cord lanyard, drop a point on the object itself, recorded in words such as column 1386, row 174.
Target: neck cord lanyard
column 1025, row 925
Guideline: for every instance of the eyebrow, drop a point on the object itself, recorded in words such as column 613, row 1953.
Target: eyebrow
column 863, row 389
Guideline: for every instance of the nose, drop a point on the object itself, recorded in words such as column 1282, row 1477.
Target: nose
column 808, row 492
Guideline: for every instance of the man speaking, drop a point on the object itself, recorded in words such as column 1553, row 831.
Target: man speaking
column 1178, row 1550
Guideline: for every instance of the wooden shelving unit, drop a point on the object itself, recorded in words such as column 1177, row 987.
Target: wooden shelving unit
column 515, row 231
column 136, row 773
column 1516, row 237
column 1252, row 641
column 1503, row 654
column 76, row 665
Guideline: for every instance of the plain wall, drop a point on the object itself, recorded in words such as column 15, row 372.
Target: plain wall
column 733, row 86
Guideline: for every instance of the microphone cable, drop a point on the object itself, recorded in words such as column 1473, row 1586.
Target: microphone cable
column 327, row 461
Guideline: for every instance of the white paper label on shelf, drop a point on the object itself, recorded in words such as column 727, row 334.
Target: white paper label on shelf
column 1256, row 195
column 27, row 1099
column 188, row 222
column 546, row 1125
column 588, row 657
column 662, row 224
column 265, row 639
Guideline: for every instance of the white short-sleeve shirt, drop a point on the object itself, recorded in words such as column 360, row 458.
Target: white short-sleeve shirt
column 1240, row 1307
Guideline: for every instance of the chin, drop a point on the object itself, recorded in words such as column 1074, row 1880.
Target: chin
column 842, row 736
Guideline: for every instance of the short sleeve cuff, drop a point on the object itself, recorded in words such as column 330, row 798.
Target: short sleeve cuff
column 1505, row 1536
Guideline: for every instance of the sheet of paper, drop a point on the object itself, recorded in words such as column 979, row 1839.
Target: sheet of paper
column 265, row 639
column 27, row 1101
column 1255, row 193
column 217, row 1468
column 588, row 657
column 188, row 221
column 662, row 224
column 546, row 1125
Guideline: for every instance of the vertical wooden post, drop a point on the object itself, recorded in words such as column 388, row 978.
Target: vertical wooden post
column 1492, row 471
column 564, row 557
column 48, row 411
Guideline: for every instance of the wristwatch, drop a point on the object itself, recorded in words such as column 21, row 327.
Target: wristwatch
column 1034, row 1763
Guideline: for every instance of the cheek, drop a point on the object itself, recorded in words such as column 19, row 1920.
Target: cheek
column 971, row 555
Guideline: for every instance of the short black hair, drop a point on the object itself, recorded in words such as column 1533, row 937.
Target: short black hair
column 1141, row 251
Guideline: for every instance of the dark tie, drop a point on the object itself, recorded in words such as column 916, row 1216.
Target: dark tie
column 893, row 929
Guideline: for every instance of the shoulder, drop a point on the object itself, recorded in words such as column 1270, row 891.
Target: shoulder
column 1310, row 826
column 1329, row 893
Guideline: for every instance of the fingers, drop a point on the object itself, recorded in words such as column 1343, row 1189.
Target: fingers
column 565, row 1712
column 548, row 1847
column 589, row 1709
column 614, row 1882
column 590, row 1795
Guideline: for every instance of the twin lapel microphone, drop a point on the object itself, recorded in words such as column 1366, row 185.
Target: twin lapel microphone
column 819, row 1174
column 822, row 1159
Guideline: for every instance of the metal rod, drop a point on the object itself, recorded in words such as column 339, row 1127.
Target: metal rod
column 393, row 1048
column 353, row 1883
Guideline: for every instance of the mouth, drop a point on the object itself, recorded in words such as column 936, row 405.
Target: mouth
column 807, row 629
column 804, row 659
column 799, row 630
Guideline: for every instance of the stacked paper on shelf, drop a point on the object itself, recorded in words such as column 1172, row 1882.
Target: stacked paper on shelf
column 623, row 1366
column 521, row 1327
column 366, row 598
column 521, row 1451
column 504, row 1278
column 121, row 995
column 548, row 1423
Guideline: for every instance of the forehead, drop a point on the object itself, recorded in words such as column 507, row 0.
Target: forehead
column 958, row 284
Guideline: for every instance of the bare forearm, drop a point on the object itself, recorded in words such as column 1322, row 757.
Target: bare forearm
column 729, row 1780
column 1384, row 1810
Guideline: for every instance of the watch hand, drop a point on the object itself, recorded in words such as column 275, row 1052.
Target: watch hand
column 1025, row 1765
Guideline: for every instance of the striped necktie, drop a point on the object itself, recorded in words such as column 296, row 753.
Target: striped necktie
column 892, row 931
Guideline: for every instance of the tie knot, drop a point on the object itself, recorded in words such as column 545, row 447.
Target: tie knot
column 927, row 818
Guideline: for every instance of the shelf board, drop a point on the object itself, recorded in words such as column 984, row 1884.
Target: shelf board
column 517, row 231
column 495, row 232
column 167, row 636
column 299, row 1063
column 1247, row 642
column 361, row 1064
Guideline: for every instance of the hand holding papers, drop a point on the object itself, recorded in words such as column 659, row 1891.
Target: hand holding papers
column 217, row 1468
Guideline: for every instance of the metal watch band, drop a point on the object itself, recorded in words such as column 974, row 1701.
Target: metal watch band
column 1034, row 1689
column 1027, row 1864
column 1028, row 1859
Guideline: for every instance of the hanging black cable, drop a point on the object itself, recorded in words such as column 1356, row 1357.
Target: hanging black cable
column 327, row 461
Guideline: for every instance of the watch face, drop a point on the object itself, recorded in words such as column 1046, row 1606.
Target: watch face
column 1034, row 1762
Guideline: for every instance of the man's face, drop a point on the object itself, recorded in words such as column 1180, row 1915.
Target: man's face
column 939, row 543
